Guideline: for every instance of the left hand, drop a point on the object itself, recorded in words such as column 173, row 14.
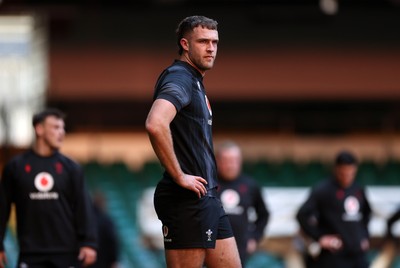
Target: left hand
column 87, row 255
column 330, row 242
column 364, row 244
column 251, row 246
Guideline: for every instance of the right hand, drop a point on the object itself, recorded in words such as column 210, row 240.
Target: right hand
column 193, row 183
column 331, row 242
column 3, row 259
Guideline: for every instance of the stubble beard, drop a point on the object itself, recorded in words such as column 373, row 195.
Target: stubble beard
column 206, row 65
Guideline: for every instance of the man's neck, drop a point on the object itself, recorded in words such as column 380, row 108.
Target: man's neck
column 186, row 59
column 42, row 149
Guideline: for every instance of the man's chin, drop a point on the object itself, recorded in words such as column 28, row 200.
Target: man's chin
column 208, row 65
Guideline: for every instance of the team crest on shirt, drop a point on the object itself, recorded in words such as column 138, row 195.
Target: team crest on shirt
column 43, row 182
column 352, row 209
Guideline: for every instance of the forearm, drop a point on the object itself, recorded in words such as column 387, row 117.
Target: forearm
column 158, row 121
column 162, row 143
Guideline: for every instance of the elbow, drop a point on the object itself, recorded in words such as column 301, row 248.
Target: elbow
column 152, row 126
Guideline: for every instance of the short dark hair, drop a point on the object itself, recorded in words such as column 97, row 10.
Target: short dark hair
column 345, row 158
column 189, row 23
column 41, row 116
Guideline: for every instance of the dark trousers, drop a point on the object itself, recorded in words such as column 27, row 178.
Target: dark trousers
column 67, row 260
column 332, row 260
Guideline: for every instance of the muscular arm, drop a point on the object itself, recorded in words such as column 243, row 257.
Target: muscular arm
column 158, row 128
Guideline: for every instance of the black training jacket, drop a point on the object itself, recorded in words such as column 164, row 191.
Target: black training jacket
column 53, row 207
column 331, row 209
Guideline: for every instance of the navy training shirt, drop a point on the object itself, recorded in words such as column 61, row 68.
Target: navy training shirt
column 191, row 129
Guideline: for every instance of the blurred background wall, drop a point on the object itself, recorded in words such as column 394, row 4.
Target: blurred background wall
column 290, row 68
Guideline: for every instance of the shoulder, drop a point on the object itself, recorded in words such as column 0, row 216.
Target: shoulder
column 250, row 181
column 18, row 159
column 178, row 69
column 323, row 186
column 357, row 187
column 68, row 162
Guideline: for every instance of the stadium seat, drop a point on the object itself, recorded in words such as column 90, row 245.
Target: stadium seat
column 391, row 173
column 368, row 173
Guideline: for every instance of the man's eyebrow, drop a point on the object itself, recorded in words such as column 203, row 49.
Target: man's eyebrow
column 207, row 39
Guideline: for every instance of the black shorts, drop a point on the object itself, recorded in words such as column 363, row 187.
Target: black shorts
column 189, row 221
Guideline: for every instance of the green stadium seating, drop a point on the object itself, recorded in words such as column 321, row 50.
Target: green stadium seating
column 123, row 189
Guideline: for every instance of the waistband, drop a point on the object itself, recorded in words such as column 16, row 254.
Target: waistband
column 212, row 192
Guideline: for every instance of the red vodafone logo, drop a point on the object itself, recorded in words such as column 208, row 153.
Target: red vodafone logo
column 44, row 182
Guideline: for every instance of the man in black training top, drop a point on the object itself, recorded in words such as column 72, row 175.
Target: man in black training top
column 239, row 194
column 195, row 228
column 55, row 224
column 336, row 216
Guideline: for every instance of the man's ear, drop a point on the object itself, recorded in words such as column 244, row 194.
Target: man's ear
column 39, row 129
column 185, row 44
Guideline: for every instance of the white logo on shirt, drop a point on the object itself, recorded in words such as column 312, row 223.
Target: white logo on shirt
column 230, row 201
column 209, row 233
column 352, row 209
column 44, row 182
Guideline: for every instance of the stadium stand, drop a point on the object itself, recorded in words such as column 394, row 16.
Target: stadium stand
column 125, row 189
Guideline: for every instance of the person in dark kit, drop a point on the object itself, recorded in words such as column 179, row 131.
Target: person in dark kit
column 55, row 222
column 179, row 124
column 389, row 223
column 108, row 242
column 336, row 215
column 239, row 194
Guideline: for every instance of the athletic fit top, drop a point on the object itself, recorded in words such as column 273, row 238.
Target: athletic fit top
column 182, row 85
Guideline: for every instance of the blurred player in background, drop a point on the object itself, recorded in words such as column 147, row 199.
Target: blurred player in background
column 108, row 243
column 239, row 194
column 389, row 223
column 336, row 216
column 55, row 223
column 195, row 227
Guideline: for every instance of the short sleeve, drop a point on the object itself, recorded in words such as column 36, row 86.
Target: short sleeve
column 176, row 88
